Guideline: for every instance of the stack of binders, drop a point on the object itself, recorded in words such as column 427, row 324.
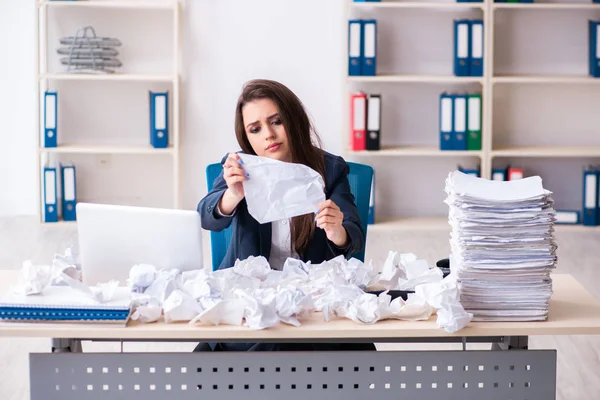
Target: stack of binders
column 362, row 47
column 507, row 174
column 365, row 121
column 468, row 47
column 460, row 121
column 502, row 246
column 59, row 192
column 594, row 48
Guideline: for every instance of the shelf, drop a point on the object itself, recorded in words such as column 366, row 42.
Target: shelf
column 110, row 77
column 414, row 151
column 547, row 6
column 400, row 224
column 60, row 223
column 548, row 151
column 441, row 224
column 105, row 149
column 417, row 79
column 148, row 5
column 567, row 79
column 415, row 4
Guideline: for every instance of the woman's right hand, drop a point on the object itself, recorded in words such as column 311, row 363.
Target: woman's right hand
column 234, row 175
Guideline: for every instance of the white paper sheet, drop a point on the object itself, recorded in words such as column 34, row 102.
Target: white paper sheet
column 279, row 190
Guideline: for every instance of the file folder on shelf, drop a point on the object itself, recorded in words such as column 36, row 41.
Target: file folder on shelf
column 355, row 47
column 474, row 121
column 373, row 122
column 459, row 137
column 69, row 192
column 358, row 115
column 446, row 121
column 50, row 119
column 369, row 34
column 590, row 197
column 461, row 47
column 159, row 119
column 49, row 194
column 476, row 48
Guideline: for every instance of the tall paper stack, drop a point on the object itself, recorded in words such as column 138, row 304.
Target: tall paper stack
column 502, row 246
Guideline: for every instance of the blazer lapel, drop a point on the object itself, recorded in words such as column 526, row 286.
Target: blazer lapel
column 264, row 231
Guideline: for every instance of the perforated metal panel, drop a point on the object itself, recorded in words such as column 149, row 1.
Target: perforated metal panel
column 423, row 375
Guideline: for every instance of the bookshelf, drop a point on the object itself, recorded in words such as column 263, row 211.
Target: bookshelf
column 103, row 119
column 535, row 88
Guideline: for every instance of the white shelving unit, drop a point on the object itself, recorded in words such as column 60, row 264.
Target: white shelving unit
column 138, row 79
column 414, row 65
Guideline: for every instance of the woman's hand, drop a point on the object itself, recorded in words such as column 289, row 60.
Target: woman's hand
column 234, row 175
column 329, row 218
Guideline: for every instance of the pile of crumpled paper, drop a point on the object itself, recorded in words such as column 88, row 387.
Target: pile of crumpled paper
column 254, row 295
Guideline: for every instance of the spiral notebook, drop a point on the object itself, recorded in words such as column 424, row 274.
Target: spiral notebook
column 65, row 304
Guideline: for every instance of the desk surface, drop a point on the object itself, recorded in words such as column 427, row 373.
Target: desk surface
column 573, row 311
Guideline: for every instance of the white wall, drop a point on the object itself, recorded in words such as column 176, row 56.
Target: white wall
column 225, row 43
column 17, row 105
column 301, row 43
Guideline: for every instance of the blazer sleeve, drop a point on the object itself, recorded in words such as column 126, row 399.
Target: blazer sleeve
column 343, row 197
column 209, row 218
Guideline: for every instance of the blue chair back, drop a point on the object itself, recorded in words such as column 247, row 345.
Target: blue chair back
column 219, row 241
column 360, row 179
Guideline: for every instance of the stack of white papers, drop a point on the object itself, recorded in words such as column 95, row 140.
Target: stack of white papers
column 502, row 245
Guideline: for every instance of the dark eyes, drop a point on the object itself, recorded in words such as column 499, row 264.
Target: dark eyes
column 257, row 129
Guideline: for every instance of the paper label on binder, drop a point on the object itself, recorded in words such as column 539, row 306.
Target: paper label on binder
column 373, row 115
column 474, row 114
column 446, row 115
column 477, row 40
column 69, row 183
column 370, row 40
column 597, row 41
column 590, row 191
column 355, row 40
column 49, row 182
column 463, row 42
column 50, row 111
column 359, row 113
column 160, row 111
column 460, row 112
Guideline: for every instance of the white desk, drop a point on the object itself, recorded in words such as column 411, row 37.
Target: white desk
column 517, row 374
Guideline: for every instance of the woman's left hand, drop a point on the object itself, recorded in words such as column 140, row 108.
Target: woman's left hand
column 329, row 218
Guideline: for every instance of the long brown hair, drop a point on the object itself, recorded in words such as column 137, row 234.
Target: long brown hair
column 304, row 142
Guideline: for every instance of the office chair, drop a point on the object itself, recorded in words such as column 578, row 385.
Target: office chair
column 219, row 241
column 360, row 178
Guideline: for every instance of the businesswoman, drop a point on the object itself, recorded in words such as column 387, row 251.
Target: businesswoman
column 270, row 121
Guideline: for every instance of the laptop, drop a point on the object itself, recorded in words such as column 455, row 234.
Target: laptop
column 113, row 238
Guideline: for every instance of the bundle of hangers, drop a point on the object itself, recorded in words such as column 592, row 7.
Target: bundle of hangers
column 88, row 53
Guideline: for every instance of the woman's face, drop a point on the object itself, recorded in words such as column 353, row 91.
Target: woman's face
column 264, row 130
